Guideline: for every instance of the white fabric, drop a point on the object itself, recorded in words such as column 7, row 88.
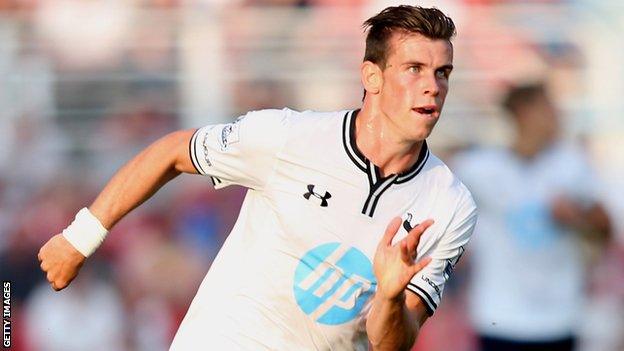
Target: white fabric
column 89, row 315
column 296, row 271
column 527, row 272
column 85, row 233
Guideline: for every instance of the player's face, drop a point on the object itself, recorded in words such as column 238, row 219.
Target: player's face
column 415, row 83
column 539, row 118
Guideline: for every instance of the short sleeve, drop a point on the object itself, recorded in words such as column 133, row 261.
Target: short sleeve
column 243, row 152
column 429, row 283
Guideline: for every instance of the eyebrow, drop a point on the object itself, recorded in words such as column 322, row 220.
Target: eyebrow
column 448, row 67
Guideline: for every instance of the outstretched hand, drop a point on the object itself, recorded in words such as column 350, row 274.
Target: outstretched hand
column 394, row 265
column 60, row 261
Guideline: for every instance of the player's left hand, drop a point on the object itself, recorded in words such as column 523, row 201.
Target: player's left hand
column 60, row 261
column 394, row 265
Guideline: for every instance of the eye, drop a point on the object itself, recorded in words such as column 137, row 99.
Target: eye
column 443, row 73
column 414, row 69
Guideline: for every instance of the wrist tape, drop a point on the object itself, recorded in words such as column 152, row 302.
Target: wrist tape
column 85, row 233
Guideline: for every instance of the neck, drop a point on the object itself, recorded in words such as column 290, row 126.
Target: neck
column 381, row 141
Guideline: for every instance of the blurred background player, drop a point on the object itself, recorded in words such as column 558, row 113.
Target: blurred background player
column 538, row 202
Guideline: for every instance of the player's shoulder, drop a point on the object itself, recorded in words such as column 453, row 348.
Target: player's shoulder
column 319, row 119
column 308, row 126
column 289, row 129
column 567, row 153
column 266, row 116
column 296, row 119
column 448, row 184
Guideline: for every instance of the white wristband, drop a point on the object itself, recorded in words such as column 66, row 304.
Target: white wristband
column 85, row 233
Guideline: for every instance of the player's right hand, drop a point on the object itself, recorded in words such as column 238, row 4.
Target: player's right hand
column 60, row 261
column 394, row 265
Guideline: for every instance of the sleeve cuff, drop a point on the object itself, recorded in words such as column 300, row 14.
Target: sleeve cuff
column 193, row 154
column 425, row 297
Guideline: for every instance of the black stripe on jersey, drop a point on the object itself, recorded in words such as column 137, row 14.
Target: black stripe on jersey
column 377, row 184
column 423, row 156
column 348, row 140
column 193, row 154
column 383, row 187
column 429, row 303
column 370, row 173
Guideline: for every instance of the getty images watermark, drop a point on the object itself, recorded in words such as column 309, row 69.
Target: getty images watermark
column 6, row 314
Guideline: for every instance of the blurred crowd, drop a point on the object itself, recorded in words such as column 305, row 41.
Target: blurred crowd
column 85, row 85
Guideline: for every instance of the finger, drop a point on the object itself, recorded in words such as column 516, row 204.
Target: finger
column 415, row 234
column 39, row 256
column 413, row 238
column 412, row 244
column 419, row 229
column 60, row 284
column 391, row 230
column 420, row 265
column 49, row 277
column 405, row 256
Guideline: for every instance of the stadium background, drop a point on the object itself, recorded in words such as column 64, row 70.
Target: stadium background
column 84, row 85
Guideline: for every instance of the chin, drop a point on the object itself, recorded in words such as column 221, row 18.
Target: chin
column 420, row 135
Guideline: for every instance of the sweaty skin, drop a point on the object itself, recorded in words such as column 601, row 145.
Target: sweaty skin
column 390, row 131
column 134, row 183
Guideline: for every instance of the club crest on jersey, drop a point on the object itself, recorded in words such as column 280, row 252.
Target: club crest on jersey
column 407, row 222
column 323, row 198
column 333, row 282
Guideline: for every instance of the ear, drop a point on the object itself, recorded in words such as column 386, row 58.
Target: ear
column 371, row 76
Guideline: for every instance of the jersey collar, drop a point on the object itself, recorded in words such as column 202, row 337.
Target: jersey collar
column 365, row 165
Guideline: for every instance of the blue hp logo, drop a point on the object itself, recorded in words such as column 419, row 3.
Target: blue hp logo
column 333, row 282
column 532, row 226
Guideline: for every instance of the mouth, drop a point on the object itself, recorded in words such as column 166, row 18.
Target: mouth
column 427, row 110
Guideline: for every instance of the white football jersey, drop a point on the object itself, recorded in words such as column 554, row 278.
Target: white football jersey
column 296, row 271
column 527, row 271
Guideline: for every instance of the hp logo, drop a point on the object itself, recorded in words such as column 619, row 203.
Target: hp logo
column 531, row 225
column 333, row 282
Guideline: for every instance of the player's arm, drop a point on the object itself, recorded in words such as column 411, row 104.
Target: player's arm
column 394, row 324
column 592, row 220
column 396, row 316
column 140, row 178
column 134, row 183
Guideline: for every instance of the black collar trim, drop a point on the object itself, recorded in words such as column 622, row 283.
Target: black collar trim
column 348, row 140
column 377, row 184
column 361, row 162
column 423, row 156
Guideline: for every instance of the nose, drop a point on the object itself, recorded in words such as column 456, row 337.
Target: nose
column 430, row 85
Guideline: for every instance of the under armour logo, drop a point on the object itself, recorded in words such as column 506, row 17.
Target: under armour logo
column 323, row 198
